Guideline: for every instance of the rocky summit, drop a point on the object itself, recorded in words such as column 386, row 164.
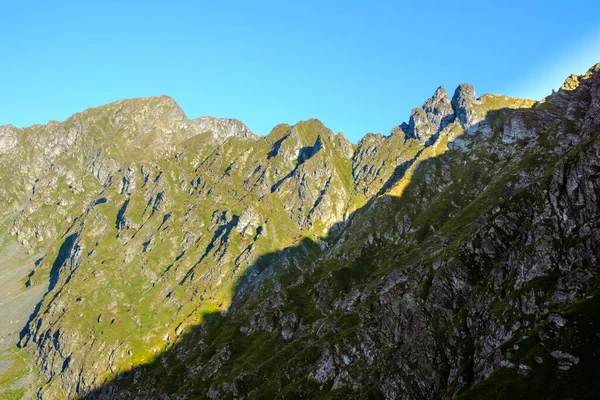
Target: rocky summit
column 146, row 255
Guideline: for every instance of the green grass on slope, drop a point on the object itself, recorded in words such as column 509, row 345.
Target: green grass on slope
column 21, row 378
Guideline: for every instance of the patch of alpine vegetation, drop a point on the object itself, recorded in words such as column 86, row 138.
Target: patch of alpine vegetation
column 456, row 257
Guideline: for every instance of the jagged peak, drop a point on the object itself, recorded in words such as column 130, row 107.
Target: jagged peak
column 464, row 91
column 595, row 69
column 341, row 135
column 427, row 121
column 440, row 96
column 439, row 103
column 573, row 81
column 346, row 146
column 463, row 97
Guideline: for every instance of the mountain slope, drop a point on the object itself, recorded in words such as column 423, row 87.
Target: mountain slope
column 457, row 255
column 483, row 261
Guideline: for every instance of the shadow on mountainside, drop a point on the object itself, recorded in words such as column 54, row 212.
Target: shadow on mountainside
column 260, row 346
column 64, row 252
column 266, row 350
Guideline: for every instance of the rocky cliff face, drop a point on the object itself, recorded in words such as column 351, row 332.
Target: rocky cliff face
column 455, row 257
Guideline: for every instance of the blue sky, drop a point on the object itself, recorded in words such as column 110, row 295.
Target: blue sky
column 357, row 66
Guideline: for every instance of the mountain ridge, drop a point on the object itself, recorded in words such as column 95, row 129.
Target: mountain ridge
column 310, row 222
column 173, row 104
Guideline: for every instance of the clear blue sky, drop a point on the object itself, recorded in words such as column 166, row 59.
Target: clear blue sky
column 359, row 66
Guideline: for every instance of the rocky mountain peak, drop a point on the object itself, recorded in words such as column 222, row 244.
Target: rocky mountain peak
column 427, row 121
column 464, row 96
column 140, row 116
column 346, row 147
column 571, row 83
column 440, row 96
